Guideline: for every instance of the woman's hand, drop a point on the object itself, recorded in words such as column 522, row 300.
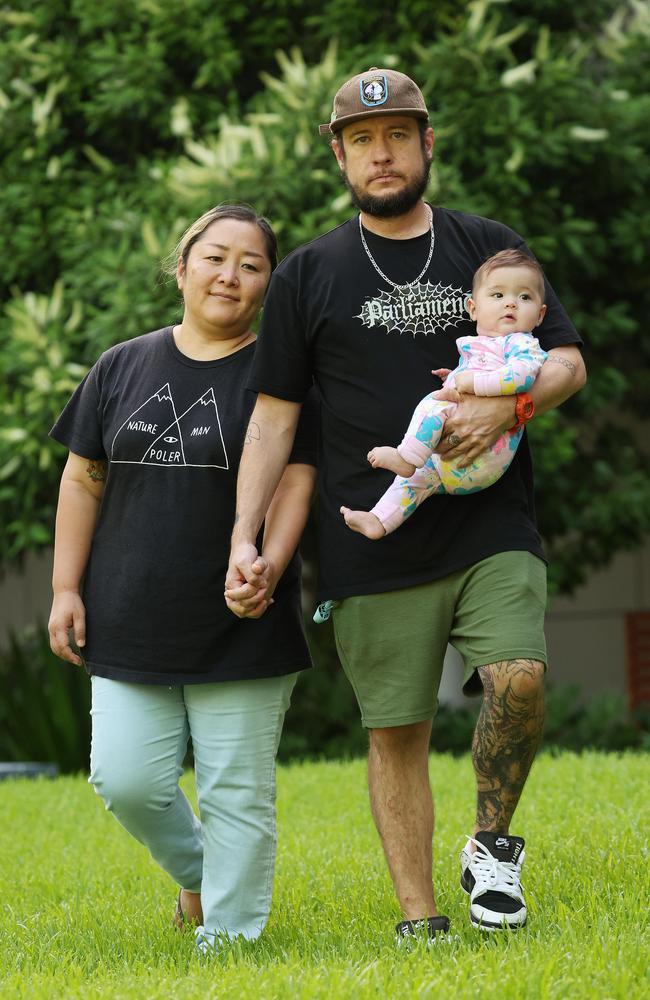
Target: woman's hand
column 251, row 578
column 82, row 487
column 68, row 615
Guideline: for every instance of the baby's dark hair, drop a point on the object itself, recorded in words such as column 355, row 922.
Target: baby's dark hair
column 509, row 258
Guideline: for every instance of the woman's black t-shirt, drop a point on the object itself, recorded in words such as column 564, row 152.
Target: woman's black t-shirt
column 172, row 430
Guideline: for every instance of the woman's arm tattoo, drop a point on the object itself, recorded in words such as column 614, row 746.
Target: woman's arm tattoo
column 96, row 470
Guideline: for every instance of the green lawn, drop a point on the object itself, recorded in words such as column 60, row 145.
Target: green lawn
column 85, row 913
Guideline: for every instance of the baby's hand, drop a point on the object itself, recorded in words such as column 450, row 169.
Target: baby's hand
column 442, row 373
column 447, row 394
column 465, row 382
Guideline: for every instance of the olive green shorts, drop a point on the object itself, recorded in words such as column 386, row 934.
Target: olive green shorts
column 392, row 645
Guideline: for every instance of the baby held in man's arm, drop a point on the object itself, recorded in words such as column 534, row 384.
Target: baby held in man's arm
column 504, row 358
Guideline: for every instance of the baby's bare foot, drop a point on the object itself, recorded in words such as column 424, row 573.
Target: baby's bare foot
column 389, row 458
column 364, row 522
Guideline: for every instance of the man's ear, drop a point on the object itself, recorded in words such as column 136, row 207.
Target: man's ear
column 339, row 152
column 429, row 139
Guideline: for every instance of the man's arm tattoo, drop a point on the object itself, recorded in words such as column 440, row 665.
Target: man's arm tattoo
column 96, row 470
column 253, row 433
column 557, row 360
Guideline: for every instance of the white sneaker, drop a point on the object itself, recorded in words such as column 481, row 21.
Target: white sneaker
column 490, row 875
column 206, row 942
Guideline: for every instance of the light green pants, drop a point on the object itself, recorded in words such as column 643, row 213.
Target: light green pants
column 139, row 739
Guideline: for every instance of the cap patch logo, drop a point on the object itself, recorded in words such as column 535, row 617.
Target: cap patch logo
column 374, row 90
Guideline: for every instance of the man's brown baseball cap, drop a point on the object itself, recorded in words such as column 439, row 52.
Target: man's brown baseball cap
column 376, row 92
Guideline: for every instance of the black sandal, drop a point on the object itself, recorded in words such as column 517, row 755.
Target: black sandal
column 430, row 927
column 178, row 919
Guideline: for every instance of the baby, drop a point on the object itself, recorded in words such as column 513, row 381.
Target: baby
column 503, row 359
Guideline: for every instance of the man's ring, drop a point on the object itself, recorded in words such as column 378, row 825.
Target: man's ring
column 453, row 440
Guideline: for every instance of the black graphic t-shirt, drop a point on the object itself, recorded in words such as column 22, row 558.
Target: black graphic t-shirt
column 172, row 430
column 370, row 348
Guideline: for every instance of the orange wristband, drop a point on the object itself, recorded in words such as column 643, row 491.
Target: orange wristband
column 524, row 408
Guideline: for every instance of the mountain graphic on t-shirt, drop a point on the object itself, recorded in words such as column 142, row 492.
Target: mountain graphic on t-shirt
column 194, row 439
column 154, row 434
column 143, row 426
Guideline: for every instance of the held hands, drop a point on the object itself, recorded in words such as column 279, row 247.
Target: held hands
column 250, row 582
column 68, row 615
column 474, row 426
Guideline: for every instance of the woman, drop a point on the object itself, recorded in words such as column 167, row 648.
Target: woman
column 145, row 512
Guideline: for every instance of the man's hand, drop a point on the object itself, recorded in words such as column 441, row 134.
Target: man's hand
column 475, row 426
column 447, row 394
column 250, row 583
column 465, row 382
column 68, row 614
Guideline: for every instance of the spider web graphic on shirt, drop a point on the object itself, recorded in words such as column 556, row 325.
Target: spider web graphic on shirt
column 421, row 309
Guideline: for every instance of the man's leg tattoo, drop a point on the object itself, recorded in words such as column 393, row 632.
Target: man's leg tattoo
column 507, row 734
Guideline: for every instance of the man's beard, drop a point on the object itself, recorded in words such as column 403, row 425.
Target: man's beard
column 389, row 206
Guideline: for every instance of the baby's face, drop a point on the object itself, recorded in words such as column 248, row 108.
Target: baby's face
column 507, row 301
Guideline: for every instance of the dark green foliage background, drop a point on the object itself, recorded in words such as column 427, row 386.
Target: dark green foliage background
column 121, row 122
column 114, row 137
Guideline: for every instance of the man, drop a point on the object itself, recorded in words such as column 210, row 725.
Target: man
column 367, row 311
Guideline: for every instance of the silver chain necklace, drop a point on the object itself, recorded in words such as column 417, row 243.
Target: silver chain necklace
column 379, row 270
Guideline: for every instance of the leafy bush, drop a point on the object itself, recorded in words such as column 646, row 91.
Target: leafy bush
column 44, row 705
column 122, row 123
column 38, row 369
column 604, row 722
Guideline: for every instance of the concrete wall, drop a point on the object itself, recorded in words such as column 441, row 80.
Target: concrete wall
column 586, row 632
column 26, row 594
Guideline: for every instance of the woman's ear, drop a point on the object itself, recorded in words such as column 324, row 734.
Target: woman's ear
column 180, row 274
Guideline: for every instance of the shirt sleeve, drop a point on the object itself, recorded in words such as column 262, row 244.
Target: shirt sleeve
column 79, row 427
column 523, row 359
column 305, row 444
column 282, row 365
